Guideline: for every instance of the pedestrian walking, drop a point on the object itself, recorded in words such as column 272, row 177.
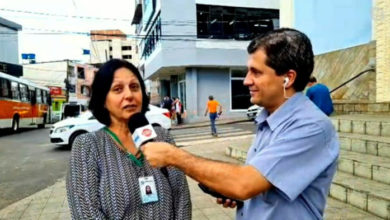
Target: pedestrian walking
column 211, row 108
column 179, row 110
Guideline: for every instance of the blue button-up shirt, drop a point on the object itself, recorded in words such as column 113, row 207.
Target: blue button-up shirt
column 296, row 150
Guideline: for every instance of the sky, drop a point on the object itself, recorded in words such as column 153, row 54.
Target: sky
column 45, row 21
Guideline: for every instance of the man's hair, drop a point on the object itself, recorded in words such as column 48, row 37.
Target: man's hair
column 312, row 79
column 211, row 97
column 286, row 49
column 101, row 86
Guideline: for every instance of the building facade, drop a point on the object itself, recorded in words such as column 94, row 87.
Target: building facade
column 112, row 44
column 68, row 82
column 9, row 48
column 200, row 50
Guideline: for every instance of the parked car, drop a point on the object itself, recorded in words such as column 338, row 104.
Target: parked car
column 65, row 132
column 253, row 112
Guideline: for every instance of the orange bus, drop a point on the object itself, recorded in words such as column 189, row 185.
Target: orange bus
column 22, row 103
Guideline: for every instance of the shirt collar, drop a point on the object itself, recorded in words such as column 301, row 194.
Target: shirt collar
column 281, row 114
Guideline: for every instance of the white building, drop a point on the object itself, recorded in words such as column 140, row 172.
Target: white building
column 112, row 44
column 9, row 48
column 197, row 48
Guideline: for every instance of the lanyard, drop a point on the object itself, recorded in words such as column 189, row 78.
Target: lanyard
column 139, row 162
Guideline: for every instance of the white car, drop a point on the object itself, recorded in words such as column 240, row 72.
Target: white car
column 64, row 132
column 253, row 112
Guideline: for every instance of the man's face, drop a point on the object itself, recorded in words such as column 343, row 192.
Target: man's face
column 266, row 88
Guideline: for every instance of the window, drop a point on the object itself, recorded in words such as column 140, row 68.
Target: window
column 85, row 90
column 80, row 73
column 240, row 97
column 219, row 22
column 126, row 47
column 126, row 56
column 152, row 38
column 44, row 96
column 4, row 88
column 15, row 91
column 39, row 95
column 25, row 97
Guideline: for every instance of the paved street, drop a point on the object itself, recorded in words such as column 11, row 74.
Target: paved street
column 29, row 163
column 191, row 136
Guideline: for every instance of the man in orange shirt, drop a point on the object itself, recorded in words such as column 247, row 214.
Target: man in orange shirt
column 212, row 109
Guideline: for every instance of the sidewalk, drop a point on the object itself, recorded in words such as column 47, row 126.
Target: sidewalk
column 206, row 123
column 51, row 203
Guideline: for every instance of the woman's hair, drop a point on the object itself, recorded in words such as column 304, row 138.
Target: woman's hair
column 101, row 86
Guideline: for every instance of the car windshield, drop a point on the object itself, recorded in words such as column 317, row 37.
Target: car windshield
column 71, row 110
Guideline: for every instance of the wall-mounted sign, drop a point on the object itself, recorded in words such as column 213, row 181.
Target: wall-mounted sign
column 55, row 90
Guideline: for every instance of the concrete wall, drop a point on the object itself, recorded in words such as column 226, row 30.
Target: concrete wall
column 100, row 50
column 382, row 29
column 9, row 49
column 337, row 67
column 202, row 82
column 332, row 24
column 196, row 57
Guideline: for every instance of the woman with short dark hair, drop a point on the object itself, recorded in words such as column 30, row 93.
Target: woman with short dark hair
column 107, row 172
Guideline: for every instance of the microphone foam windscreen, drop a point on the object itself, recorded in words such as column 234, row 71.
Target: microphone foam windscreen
column 137, row 120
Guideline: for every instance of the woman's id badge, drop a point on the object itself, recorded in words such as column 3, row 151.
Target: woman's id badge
column 148, row 190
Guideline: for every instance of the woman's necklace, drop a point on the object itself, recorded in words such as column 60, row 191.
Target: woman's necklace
column 138, row 161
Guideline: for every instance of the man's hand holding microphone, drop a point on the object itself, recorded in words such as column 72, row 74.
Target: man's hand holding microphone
column 161, row 155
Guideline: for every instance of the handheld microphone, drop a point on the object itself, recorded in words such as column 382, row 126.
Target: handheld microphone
column 142, row 133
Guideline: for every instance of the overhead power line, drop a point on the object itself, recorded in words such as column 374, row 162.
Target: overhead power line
column 165, row 22
column 55, row 32
column 63, row 15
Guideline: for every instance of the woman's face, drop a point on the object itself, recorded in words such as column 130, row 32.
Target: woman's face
column 125, row 96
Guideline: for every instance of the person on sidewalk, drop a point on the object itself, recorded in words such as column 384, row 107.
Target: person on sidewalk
column 167, row 103
column 107, row 174
column 211, row 108
column 179, row 110
column 293, row 158
column 320, row 95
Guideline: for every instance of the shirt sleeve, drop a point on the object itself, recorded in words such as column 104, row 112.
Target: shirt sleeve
column 82, row 180
column 295, row 158
column 179, row 186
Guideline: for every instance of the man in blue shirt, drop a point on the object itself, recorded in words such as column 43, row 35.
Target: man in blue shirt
column 292, row 161
column 320, row 95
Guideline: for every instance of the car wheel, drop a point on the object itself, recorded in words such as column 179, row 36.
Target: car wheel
column 73, row 137
column 15, row 124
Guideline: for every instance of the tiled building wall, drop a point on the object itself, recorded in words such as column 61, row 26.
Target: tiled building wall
column 382, row 31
